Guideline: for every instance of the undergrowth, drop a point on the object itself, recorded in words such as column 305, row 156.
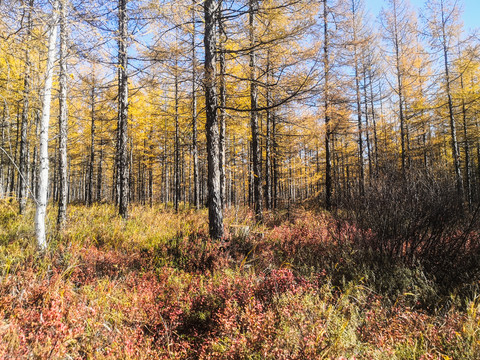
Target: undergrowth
column 156, row 287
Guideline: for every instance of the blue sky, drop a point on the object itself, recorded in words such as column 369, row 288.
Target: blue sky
column 471, row 10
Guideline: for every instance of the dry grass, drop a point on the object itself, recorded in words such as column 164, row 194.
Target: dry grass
column 156, row 287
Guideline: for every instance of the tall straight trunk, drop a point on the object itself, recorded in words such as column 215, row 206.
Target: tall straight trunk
column 233, row 182
column 424, row 125
column 13, row 179
column 6, row 124
column 123, row 110
column 177, row 142
column 196, row 184
column 54, row 186
column 367, row 125
column 2, row 145
column 165, row 165
column 184, row 176
column 466, row 147
column 245, row 171
column 115, row 182
column 275, row 165
column 453, row 128
column 251, row 195
column 401, row 111
column 359, row 128
column 23, row 183
column 41, row 208
column 34, row 176
column 317, row 158
column 334, row 158
column 150, row 176
column 62, row 123
column 478, row 160
column 99, row 174
column 374, row 122
column 223, row 103
column 328, row 132
column 131, row 174
column 215, row 211
column 91, row 164
column 399, row 78
column 141, row 174
column 256, row 154
column 268, row 151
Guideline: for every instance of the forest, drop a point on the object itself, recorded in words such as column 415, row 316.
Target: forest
column 239, row 179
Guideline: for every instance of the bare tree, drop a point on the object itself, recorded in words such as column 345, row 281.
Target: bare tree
column 443, row 25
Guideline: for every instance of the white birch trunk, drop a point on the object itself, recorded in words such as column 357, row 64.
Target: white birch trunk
column 63, row 179
column 43, row 138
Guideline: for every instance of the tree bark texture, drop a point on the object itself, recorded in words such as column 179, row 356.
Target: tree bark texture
column 215, row 211
column 41, row 208
column 63, row 179
column 122, row 149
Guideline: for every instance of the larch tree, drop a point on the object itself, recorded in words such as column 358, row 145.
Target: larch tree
column 443, row 24
column 196, row 182
column 399, row 35
column 215, row 211
column 358, row 41
column 464, row 96
column 255, row 145
column 326, row 107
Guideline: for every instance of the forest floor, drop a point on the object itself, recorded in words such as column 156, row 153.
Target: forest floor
column 155, row 287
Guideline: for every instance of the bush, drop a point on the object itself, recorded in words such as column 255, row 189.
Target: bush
column 417, row 219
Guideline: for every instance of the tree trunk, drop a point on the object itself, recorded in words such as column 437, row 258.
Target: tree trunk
column 374, row 121
column 268, row 150
column 359, row 129
column 223, row 103
column 215, row 211
column 275, row 165
column 196, row 184
column 453, row 129
column 177, row 142
column 99, row 174
column 23, row 183
column 256, row 154
column 165, row 165
column 367, row 125
column 123, row 110
column 2, row 145
column 150, row 175
column 91, row 165
column 328, row 132
column 63, row 180
column 466, row 147
column 41, row 209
